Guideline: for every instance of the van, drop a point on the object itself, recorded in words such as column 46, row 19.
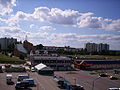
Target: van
column 21, row 77
column 9, row 79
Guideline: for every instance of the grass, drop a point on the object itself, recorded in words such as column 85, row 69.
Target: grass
column 99, row 57
column 7, row 59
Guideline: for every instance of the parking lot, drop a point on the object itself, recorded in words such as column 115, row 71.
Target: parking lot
column 42, row 82
column 86, row 79
column 83, row 78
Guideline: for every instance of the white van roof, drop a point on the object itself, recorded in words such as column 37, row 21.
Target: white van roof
column 9, row 75
column 22, row 75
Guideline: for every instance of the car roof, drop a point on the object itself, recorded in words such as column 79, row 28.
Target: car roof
column 9, row 75
column 29, row 79
column 22, row 75
column 114, row 88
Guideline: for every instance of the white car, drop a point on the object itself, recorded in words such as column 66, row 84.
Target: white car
column 114, row 88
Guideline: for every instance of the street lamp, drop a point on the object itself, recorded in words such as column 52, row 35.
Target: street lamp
column 93, row 83
column 75, row 81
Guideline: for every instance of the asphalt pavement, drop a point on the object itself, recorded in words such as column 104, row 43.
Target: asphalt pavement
column 83, row 78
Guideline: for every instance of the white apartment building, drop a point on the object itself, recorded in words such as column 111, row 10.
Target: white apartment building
column 93, row 47
column 5, row 42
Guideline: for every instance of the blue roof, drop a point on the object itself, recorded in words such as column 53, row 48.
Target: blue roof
column 21, row 48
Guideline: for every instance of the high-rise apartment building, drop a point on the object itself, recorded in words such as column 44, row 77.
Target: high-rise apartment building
column 93, row 47
column 5, row 42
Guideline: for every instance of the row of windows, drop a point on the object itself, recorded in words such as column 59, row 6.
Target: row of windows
column 105, row 66
column 39, row 58
column 52, row 61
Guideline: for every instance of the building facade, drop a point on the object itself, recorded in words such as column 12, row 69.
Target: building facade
column 5, row 42
column 101, row 47
column 53, row 61
column 93, row 47
column 29, row 46
column 97, row 64
column 66, row 48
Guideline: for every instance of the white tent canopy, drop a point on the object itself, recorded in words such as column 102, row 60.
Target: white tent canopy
column 40, row 66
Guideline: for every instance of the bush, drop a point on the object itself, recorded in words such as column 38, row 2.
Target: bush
column 22, row 57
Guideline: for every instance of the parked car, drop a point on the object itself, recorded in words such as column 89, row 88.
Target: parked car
column 113, row 78
column 31, row 81
column 32, row 69
column 9, row 79
column 103, row 75
column 76, row 87
column 22, row 84
column 114, row 89
column 21, row 77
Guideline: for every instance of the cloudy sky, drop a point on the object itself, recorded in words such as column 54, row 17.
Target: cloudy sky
column 62, row 22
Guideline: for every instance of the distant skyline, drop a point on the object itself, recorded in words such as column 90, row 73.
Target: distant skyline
column 62, row 22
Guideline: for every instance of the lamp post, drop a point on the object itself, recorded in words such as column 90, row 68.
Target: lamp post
column 75, row 81
column 93, row 83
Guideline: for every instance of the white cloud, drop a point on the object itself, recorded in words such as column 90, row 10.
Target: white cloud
column 6, row 6
column 61, row 39
column 91, row 22
column 15, row 32
column 66, row 17
column 47, row 28
column 114, row 25
column 32, row 25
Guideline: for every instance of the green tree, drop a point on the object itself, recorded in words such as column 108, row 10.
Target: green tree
column 83, row 52
column 11, row 47
column 39, row 47
column 60, row 51
column 22, row 57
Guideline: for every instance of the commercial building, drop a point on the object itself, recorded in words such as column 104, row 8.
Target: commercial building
column 51, row 60
column 97, row 64
column 93, row 47
column 5, row 42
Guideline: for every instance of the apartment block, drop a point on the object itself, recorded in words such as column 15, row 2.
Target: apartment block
column 93, row 47
column 5, row 42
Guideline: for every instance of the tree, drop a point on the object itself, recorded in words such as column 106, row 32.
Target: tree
column 39, row 47
column 60, row 51
column 11, row 47
column 83, row 52
column 22, row 57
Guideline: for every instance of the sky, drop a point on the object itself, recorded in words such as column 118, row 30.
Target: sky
column 62, row 22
